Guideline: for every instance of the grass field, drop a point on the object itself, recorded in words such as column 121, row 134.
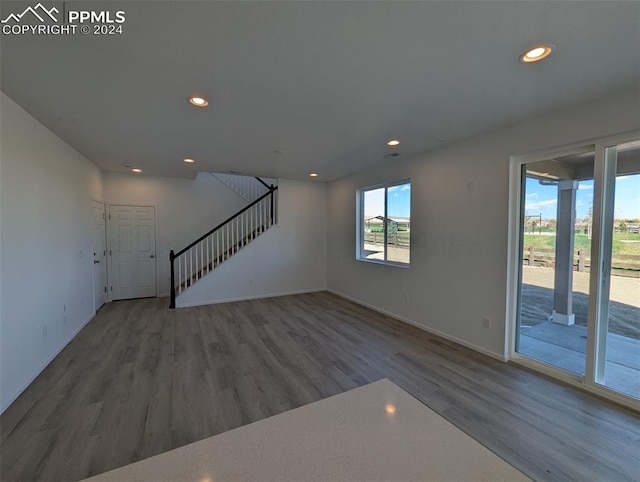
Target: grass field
column 622, row 243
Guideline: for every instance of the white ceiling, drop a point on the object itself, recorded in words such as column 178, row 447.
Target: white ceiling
column 328, row 83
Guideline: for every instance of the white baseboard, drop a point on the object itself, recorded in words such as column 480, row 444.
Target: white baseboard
column 441, row 334
column 18, row 392
column 245, row 298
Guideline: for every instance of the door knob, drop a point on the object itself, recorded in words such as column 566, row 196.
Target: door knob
column 152, row 256
column 96, row 261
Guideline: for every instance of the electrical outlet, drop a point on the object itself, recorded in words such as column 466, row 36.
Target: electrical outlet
column 486, row 322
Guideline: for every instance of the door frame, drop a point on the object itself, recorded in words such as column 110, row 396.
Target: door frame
column 514, row 265
column 108, row 221
column 106, row 268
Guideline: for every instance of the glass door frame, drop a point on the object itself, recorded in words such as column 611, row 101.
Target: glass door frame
column 597, row 322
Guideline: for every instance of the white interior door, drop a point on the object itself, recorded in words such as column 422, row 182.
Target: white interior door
column 99, row 255
column 133, row 251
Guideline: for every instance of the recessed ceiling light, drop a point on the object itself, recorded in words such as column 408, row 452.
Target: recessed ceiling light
column 189, row 161
column 393, row 143
column 313, row 174
column 199, row 101
column 136, row 169
column 536, row 54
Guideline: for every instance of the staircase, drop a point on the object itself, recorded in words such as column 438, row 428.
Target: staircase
column 213, row 248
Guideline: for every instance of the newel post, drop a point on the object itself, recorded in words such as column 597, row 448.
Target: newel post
column 272, row 190
column 172, row 257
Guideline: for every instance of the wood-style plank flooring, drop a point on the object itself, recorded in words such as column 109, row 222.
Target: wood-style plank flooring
column 141, row 379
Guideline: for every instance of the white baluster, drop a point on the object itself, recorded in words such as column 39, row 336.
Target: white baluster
column 179, row 277
column 195, row 264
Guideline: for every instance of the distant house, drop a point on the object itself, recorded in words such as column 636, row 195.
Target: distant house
column 374, row 224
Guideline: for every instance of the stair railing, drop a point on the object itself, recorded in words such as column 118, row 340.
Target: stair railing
column 247, row 187
column 216, row 246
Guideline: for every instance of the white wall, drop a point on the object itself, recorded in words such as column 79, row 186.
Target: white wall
column 186, row 209
column 288, row 258
column 458, row 236
column 45, row 249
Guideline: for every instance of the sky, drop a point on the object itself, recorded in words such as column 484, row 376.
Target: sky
column 541, row 199
column 399, row 203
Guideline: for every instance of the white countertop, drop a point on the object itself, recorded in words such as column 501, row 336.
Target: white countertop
column 375, row 432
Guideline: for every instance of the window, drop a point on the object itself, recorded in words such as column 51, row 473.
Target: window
column 384, row 223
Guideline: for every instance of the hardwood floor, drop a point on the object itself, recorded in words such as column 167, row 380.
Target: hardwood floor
column 141, row 379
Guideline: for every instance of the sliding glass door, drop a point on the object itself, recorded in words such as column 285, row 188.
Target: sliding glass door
column 617, row 333
column 554, row 278
column 578, row 264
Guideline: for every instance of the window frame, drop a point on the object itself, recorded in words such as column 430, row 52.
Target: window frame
column 360, row 223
